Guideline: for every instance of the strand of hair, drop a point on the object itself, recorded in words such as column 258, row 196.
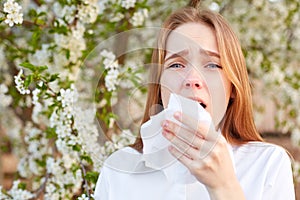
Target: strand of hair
column 194, row 3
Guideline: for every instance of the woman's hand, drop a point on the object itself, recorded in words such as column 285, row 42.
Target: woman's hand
column 204, row 152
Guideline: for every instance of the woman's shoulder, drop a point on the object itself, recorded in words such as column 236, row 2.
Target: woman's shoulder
column 122, row 160
column 261, row 151
column 259, row 147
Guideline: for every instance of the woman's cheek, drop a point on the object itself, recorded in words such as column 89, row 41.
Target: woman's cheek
column 168, row 84
column 219, row 93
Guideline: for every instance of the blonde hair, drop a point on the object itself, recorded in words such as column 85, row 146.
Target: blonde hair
column 237, row 125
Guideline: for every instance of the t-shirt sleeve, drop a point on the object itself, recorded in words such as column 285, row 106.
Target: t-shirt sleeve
column 279, row 184
column 102, row 186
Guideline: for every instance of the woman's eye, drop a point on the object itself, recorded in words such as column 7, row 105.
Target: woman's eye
column 213, row 65
column 176, row 65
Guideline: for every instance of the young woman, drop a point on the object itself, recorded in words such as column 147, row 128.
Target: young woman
column 199, row 57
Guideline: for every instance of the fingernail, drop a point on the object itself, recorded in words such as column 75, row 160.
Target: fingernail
column 177, row 115
column 166, row 134
column 165, row 124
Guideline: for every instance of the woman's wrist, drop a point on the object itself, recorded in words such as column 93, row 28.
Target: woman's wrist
column 231, row 191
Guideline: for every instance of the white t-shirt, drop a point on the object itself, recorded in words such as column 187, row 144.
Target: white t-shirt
column 263, row 170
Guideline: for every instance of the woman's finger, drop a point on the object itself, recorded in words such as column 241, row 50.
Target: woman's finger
column 204, row 128
column 189, row 136
column 183, row 158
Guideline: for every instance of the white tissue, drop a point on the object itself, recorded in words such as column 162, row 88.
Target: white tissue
column 155, row 150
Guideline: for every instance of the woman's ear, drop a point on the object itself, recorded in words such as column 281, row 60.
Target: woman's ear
column 233, row 93
column 232, row 96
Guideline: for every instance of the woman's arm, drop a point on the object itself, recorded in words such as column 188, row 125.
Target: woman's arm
column 279, row 184
column 205, row 153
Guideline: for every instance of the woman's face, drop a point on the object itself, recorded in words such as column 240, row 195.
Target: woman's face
column 193, row 69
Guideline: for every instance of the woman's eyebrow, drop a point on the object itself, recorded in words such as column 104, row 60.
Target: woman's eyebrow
column 210, row 53
column 185, row 52
column 176, row 55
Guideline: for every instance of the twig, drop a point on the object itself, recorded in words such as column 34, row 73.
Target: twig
column 85, row 181
column 43, row 186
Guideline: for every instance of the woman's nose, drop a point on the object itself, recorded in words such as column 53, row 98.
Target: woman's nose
column 193, row 80
column 192, row 83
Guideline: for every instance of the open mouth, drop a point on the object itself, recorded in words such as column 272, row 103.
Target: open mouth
column 203, row 105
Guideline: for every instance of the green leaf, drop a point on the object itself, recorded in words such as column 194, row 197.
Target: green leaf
column 40, row 69
column 22, row 186
column 41, row 163
column 67, row 53
column 40, row 22
column 28, row 80
column 53, row 77
column 92, row 176
column 87, row 158
column 28, row 66
column 50, row 133
column 32, row 13
column 42, row 14
column 76, row 147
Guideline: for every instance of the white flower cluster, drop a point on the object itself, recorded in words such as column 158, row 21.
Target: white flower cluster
column 41, row 57
column 138, row 17
column 296, row 171
column 88, row 134
column 73, row 42
column 60, row 178
column 68, row 97
column 35, row 94
column 20, row 83
column 295, row 137
column 118, row 141
column 110, row 64
column 61, row 119
column 88, row 12
column 116, row 17
column 66, row 12
column 37, row 148
column 18, row 194
column 12, row 9
column 128, row 3
column 83, row 197
column 5, row 98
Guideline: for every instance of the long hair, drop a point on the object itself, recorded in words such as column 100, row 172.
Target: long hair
column 237, row 125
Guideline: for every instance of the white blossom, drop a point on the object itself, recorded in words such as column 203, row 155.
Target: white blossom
column 41, row 57
column 110, row 64
column 73, row 43
column 87, row 13
column 117, row 17
column 83, row 197
column 13, row 16
column 19, row 194
column 53, row 166
column 20, row 83
column 128, row 3
column 296, row 171
column 111, row 79
column 68, row 97
column 108, row 55
column 67, row 12
column 11, row 6
column 35, row 97
column 138, row 17
column 5, row 98
column 295, row 137
column 214, row 6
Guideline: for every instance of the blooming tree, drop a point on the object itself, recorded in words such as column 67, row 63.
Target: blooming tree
column 69, row 67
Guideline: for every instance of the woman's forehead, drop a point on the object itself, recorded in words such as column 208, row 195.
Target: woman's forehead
column 192, row 36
